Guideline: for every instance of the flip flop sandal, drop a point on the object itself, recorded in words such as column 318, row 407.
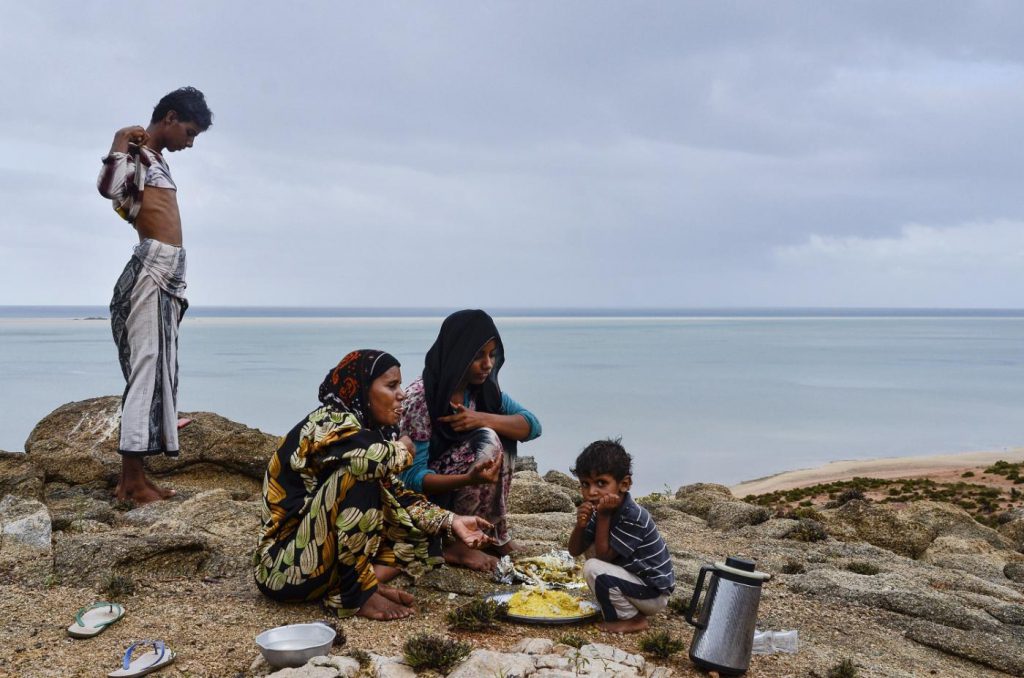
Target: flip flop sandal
column 160, row 657
column 94, row 619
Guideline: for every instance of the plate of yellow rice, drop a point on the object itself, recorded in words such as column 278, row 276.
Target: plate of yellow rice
column 546, row 606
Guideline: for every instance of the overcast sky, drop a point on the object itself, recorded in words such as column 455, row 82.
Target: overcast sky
column 528, row 154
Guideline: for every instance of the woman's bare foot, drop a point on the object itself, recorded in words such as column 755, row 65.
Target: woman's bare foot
column 381, row 609
column 397, row 595
column 460, row 554
column 385, row 573
column 631, row 625
column 508, row 548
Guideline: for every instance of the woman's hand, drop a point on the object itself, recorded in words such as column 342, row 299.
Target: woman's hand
column 470, row 530
column 485, row 471
column 464, row 419
column 583, row 514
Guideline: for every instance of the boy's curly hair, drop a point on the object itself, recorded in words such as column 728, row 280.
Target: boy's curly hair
column 190, row 105
column 604, row 456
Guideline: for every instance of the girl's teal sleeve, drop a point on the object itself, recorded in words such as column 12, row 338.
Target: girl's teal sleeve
column 412, row 477
column 510, row 406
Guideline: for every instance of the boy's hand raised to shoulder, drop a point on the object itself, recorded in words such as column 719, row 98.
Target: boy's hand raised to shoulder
column 608, row 503
column 129, row 136
column 583, row 514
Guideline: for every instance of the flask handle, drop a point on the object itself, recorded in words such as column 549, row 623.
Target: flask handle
column 697, row 589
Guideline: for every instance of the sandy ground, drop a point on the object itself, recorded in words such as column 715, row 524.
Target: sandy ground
column 942, row 468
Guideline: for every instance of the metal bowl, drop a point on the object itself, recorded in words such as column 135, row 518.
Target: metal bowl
column 295, row 644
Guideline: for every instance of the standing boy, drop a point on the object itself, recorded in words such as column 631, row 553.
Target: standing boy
column 149, row 298
column 628, row 565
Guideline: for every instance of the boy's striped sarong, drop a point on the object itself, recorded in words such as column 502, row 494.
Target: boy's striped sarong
column 146, row 309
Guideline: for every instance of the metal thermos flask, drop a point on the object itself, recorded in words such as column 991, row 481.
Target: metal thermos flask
column 725, row 623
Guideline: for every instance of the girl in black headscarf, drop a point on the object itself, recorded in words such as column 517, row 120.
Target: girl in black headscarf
column 336, row 522
column 466, row 429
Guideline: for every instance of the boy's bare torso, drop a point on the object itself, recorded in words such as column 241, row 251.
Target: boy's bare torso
column 158, row 217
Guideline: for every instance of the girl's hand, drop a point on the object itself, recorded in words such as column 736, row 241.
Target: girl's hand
column 485, row 471
column 583, row 514
column 471, row 531
column 464, row 419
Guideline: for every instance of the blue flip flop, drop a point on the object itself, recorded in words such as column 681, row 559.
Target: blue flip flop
column 160, row 657
column 94, row 619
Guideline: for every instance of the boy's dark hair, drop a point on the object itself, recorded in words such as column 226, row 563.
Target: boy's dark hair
column 190, row 105
column 604, row 456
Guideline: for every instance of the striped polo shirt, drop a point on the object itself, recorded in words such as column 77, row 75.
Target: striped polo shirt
column 640, row 548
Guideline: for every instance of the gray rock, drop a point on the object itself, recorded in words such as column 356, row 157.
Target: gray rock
column 481, row 663
column 947, row 520
column 698, row 498
column 562, row 479
column 774, row 528
column 390, row 667
column 347, row 667
column 89, row 558
column 534, row 646
column 526, row 477
column 77, row 444
column 25, row 537
column 307, row 671
column 878, row 524
column 88, row 501
column 894, row 592
column 1006, row 612
column 547, row 527
column 599, row 652
column 524, row 463
column 1014, row 571
column 732, row 515
column 19, row 476
column 1014, row 532
column 538, row 497
column 971, row 555
column 1002, row 652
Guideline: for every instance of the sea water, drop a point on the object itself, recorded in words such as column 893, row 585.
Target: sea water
column 700, row 396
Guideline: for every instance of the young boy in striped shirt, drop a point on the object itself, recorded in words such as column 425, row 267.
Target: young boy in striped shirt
column 628, row 565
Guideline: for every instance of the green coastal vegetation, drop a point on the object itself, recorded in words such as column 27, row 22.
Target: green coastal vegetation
column 989, row 504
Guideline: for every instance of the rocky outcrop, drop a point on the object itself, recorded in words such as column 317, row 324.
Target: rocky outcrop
column 25, row 532
column 878, row 524
column 732, row 515
column 698, row 498
column 532, row 496
column 77, row 444
column 19, row 476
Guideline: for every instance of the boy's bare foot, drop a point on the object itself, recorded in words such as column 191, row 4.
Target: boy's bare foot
column 381, row 609
column 164, row 492
column 397, row 595
column 460, row 554
column 137, row 494
column 631, row 625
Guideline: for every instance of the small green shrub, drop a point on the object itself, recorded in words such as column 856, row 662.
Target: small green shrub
column 849, row 495
column 660, row 644
column 861, row 567
column 679, row 605
column 427, row 651
column 477, row 615
column 572, row 640
column 967, row 474
column 844, row 669
column 793, row 567
column 808, row 530
column 117, row 586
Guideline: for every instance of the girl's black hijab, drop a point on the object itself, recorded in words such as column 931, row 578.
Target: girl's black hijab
column 462, row 335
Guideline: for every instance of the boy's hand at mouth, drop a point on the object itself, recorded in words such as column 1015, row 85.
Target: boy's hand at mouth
column 608, row 503
column 583, row 513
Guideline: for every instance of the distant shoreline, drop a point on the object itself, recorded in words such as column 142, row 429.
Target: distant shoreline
column 28, row 312
column 890, row 467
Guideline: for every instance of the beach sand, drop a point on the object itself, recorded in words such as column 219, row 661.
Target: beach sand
column 941, row 468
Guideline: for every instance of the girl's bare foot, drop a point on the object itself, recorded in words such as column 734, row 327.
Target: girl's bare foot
column 460, row 554
column 381, row 609
column 396, row 595
column 631, row 625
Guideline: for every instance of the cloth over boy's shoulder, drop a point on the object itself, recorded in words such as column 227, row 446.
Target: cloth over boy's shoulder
column 638, row 544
